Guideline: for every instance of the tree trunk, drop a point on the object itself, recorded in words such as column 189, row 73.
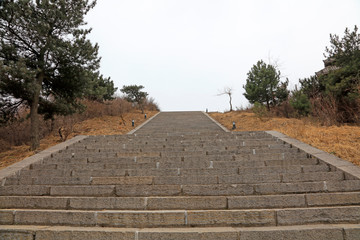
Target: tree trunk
column 230, row 103
column 34, row 129
column 268, row 106
column 142, row 108
column 34, row 116
column 52, row 124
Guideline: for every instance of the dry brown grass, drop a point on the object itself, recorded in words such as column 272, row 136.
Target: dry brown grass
column 106, row 125
column 343, row 141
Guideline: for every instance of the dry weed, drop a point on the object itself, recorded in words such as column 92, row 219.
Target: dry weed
column 342, row 141
column 106, row 125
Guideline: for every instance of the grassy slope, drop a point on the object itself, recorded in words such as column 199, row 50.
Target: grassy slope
column 107, row 125
column 342, row 141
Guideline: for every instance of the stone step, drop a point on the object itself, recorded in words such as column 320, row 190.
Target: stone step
column 179, row 180
column 182, row 218
column 265, row 149
column 308, row 232
column 182, row 158
column 162, row 145
column 182, row 202
column 184, row 190
column 132, row 159
column 174, row 153
column 186, row 164
column 258, row 189
column 178, row 171
column 264, row 153
column 168, row 138
column 178, row 146
column 181, row 177
column 210, row 150
column 153, row 140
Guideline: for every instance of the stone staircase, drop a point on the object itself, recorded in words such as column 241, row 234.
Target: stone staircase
column 181, row 176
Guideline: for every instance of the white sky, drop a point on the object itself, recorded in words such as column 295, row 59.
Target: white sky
column 186, row 51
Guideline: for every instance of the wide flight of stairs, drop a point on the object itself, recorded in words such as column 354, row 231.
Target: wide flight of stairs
column 180, row 177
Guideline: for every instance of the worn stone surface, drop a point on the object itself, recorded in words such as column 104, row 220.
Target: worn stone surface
column 313, row 177
column 278, row 188
column 329, row 199
column 188, row 233
column 219, row 189
column 294, row 233
column 61, row 181
column 193, row 180
column 4, row 235
column 121, row 180
column 186, row 203
column 181, row 176
column 318, row 215
column 147, row 190
column 32, row 202
column 13, row 169
column 343, row 186
column 108, row 190
column 97, row 203
column 272, row 201
column 24, row 190
column 249, row 178
column 231, row 218
column 352, row 232
column 55, row 217
column 61, row 233
column 140, row 218
column 6, row 217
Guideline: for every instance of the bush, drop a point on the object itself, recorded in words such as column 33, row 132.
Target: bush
column 151, row 105
column 300, row 103
column 284, row 110
column 260, row 111
column 17, row 132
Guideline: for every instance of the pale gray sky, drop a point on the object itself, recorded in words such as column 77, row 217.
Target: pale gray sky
column 185, row 51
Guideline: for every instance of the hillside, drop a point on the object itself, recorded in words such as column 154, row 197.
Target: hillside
column 106, row 125
column 343, row 141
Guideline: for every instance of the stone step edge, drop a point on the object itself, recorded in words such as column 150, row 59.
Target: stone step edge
column 214, row 179
column 216, row 122
column 178, row 190
column 316, row 231
column 37, row 158
column 143, row 124
column 15, row 210
column 156, row 219
column 330, row 159
column 169, row 203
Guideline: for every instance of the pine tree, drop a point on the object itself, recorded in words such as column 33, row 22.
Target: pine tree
column 46, row 61
column 343, row 81
column 134, row 94
column 263, row 85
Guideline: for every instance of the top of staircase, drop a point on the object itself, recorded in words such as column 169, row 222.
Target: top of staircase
column 180, row 123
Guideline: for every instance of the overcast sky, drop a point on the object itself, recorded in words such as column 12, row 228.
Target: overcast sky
column 186, row 51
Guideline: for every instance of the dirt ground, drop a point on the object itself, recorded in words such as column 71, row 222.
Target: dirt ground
column 342, row 141
column 107, row 125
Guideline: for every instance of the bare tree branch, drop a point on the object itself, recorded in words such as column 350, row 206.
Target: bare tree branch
column 228, row 91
